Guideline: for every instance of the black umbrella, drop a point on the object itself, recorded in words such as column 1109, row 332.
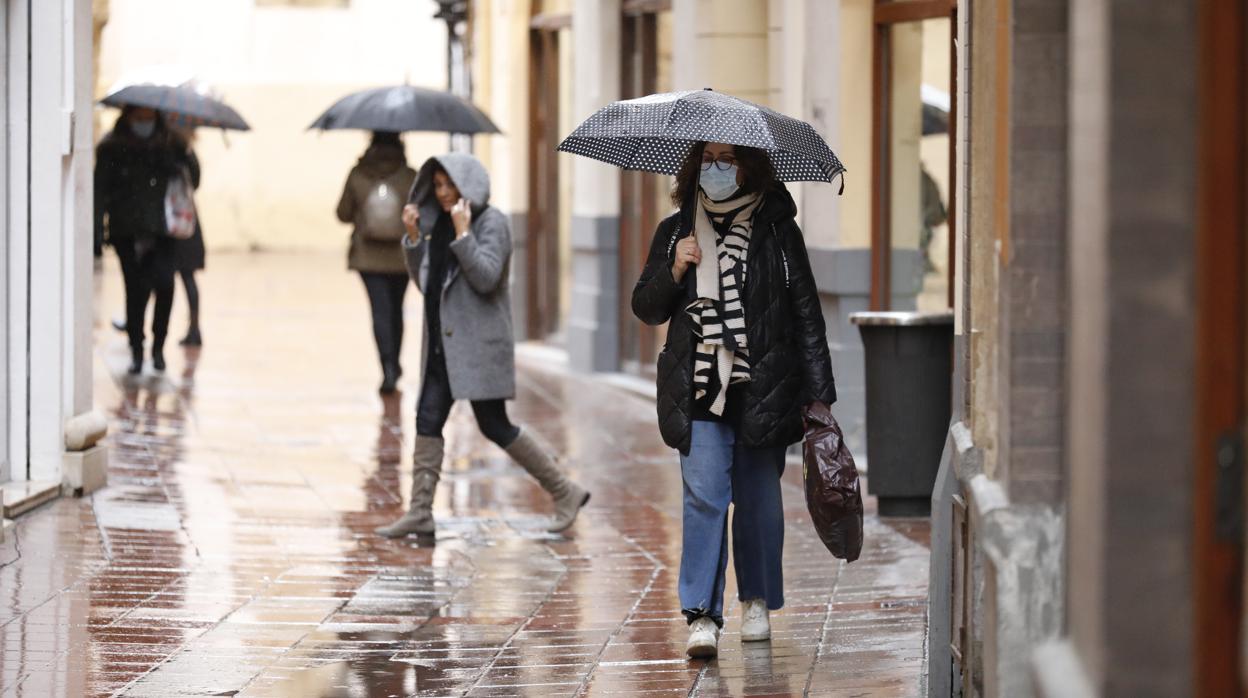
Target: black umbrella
column 194, row 108
column 405, row 108
column 655, row 134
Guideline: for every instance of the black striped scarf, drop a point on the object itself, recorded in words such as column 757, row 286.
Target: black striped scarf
column 721, row 355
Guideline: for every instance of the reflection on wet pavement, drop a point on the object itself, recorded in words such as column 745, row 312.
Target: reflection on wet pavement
column 233, row 554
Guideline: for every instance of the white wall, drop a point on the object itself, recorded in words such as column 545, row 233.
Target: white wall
column 276, row 187
column 47, row 229
column 4, row 258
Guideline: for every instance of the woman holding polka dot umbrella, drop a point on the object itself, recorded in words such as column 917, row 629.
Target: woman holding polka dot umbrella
column 746, row 347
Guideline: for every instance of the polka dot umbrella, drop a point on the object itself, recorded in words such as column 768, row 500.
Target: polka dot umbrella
column 655, row 134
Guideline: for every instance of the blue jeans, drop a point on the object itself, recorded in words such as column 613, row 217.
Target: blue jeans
column 718, row 472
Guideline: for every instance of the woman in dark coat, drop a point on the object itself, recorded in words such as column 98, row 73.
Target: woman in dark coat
column 133, row 166
column 373, row 200
column 746, row 350
column 459, row 254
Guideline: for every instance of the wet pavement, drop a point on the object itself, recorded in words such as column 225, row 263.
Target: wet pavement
column 233, row 553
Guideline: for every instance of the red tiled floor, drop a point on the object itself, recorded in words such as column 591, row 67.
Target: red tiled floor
column 232, row 553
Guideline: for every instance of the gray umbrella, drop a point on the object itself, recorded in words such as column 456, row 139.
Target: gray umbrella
column 405, row 108
column 194, row 107
column 655, row 134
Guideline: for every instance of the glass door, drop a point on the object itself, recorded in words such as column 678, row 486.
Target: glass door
column 913, row 156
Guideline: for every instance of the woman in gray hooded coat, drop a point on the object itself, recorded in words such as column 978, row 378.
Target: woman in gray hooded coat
column 458, row 251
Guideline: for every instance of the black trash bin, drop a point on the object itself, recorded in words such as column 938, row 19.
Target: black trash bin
column 909, row 367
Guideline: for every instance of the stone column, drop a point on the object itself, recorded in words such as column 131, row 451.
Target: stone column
column 722, row 44
column 1133, row 168
column 593, row 322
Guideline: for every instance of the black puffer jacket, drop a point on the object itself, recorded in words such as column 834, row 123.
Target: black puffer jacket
column 791, row 366
column 131, row 175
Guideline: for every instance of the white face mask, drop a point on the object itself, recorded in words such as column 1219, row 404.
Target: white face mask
column 719, row 184
column 143, row 129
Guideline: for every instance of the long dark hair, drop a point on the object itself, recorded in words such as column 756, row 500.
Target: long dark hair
column 760, row 174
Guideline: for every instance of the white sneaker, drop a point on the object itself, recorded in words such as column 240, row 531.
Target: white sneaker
column 703, row 639
column 755, row 625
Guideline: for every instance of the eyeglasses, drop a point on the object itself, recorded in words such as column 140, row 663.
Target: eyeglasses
column 723, row 163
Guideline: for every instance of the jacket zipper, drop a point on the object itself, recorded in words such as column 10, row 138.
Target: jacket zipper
column 672, row 245
column 784, row 258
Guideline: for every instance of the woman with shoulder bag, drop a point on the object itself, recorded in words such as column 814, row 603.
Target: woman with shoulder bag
column 373, row 201
column 134, row 166
column 459, row 254
column 746, row 351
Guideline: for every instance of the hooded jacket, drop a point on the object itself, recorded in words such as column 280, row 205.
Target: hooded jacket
column 381, row 162
column 790, row 362
column 475, row 313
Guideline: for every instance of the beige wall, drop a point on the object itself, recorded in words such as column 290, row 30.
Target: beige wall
column 276, row 187
column 853, row 142
column 727, row 47
column 500, row 72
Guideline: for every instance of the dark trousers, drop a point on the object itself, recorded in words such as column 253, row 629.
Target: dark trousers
column 147, row 269
column 192, row 296
column 385, row 296
column 435, row 403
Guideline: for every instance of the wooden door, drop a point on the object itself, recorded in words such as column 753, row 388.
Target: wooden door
column 1221, row 352
column 640, row 193
column 542, row 261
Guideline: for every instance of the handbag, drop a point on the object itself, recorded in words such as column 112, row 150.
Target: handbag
column 833, row 494
column 179, row 207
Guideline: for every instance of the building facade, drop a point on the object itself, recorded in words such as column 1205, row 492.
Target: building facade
column 1087, row 522
column 583, row 228
column 45, row 261
column 1091, row 170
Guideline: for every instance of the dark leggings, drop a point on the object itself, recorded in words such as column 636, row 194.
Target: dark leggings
column 385, row 296
column 148, row 274
column 192, row 294
column 435, row 403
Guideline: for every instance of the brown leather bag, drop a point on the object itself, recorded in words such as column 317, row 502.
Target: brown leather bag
column 833, row 496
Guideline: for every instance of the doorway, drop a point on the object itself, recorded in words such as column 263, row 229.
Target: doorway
column 645, row 69
column 1220, row 660
column 543, row 260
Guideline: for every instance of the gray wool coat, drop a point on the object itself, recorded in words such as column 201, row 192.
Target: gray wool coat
column 477, row 335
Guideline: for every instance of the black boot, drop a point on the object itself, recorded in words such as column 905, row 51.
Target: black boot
column 158, row 358
column 136, row 361
column 193, row 338
column 390, row 373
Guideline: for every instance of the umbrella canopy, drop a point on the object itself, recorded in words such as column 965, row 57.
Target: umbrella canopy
column 936, row 105
column 655, row 134
column 405, row 108
column 192, row 106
